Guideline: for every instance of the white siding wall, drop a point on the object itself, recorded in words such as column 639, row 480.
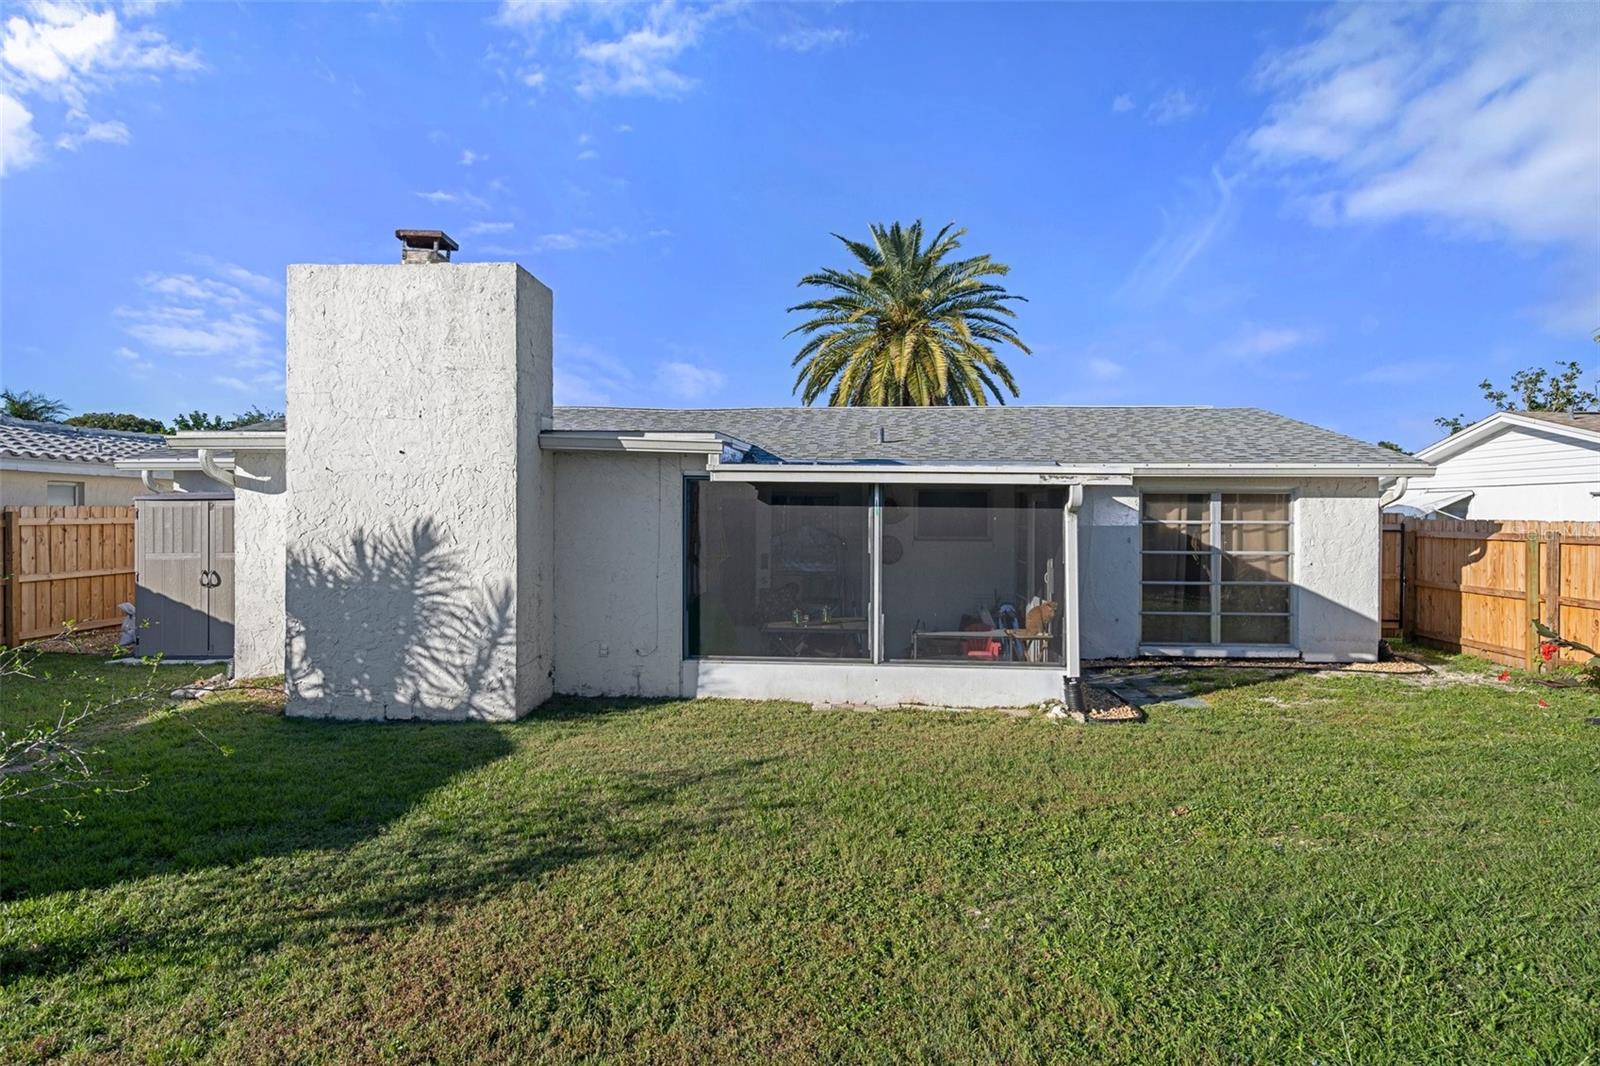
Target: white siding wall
column 1521, row 473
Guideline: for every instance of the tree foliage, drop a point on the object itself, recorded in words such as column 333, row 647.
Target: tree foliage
column 32, row 405
column 914, row 327
column 1535, row 389
column 202, row 422
column 115, row 420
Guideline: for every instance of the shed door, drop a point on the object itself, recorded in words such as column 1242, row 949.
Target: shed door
column 172, row 595
column 220, row 608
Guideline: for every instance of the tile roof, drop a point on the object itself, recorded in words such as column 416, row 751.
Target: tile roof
column 1090, row 436
column 24, row 439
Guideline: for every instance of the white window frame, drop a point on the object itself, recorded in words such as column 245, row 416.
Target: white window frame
column 77, row 488
column 1216, row 553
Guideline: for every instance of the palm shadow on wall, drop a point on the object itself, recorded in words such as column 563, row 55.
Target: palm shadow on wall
column 418, row 635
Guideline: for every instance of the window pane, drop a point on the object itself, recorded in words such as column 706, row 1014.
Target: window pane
column 1176, row 538
column 64, row 493
column 1177, row 507
column 989, row 600
column 1189, row 567
column 1255, row 599
column 1254, row 538
column 1177, row 629
column 1177, row 598
column 1255, row 507
column 1255, row 568
column 778, row 571
column 1247, row 629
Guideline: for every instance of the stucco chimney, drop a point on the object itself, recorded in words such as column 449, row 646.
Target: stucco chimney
column 425, row 245
column 418, row 521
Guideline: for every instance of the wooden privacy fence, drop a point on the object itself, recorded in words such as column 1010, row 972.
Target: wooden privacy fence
column 63, row 564
column 1477, row 586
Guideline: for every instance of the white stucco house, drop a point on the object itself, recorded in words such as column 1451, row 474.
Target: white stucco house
column 1530, row 465
column 427, row 535
column 50, row 464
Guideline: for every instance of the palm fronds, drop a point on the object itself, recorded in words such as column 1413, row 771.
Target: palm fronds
column 913, row 327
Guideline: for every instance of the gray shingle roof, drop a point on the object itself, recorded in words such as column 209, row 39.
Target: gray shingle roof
column 1087, row 436
column 1589, row 420
column 1090, row 436
column 24, row 439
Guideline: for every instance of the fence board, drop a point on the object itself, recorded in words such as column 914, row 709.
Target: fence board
column 1478, row 585
column 64, row 564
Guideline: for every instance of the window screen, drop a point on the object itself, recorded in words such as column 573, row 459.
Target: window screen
column 1215, row 568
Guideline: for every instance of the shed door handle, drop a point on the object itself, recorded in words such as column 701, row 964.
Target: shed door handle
column 210, row 582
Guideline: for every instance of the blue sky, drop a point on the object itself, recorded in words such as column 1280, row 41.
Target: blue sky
column 1349, row 215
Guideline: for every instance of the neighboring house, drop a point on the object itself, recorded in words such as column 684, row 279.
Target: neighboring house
column 51, row 464
column 428, row 536
column 1531, row 465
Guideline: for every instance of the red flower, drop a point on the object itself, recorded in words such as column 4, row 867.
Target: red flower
column 1544, row 703
column 1505, row 675
column 1548, row 650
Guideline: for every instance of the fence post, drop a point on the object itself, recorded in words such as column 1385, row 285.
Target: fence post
column 10, row 550
column 1530, row 638
column 1408, row 572
column 1552, row 580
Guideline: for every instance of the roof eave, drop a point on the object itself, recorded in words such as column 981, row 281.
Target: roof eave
column 232, row 440
column 1487, row 427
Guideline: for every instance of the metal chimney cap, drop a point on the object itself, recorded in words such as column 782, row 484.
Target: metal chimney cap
column 430, row 239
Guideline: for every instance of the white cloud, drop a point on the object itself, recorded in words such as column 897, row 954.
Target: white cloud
column 478, row 229
column 112, row 132
column 1400, row 373
column 640, row 60
column 438, row 196
column 226, row 315
column 584, row 375
column 60, row 55
column 1103, row 369
column 469, row 157
column 812, row 38
column 132, row 362
column 533, row 13
column 578, row 240
column 688, row 381
column 587, row 154
column 1482, row 117
column 1257, row 342
column 19, row 144
column 1122, row 103
column 1173, row 106
column 533, row 79
column 1183, row 237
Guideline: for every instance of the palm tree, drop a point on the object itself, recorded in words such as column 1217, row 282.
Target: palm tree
column 32, row 405
column 917, row 328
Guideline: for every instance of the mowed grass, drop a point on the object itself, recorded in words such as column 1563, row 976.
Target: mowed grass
column 1308, row 869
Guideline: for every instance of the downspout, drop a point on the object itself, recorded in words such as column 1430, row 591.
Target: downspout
column 148, row 477
column 1070, row 615
column 1395, row 491
column 209, row 467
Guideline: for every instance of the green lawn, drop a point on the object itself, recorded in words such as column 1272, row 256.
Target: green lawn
column 1308, row 869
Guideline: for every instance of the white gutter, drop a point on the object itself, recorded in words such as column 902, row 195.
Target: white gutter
column 210, row 468
column 609, row 441
column 1395, row 491
column 230, row 440
column 63, row 467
